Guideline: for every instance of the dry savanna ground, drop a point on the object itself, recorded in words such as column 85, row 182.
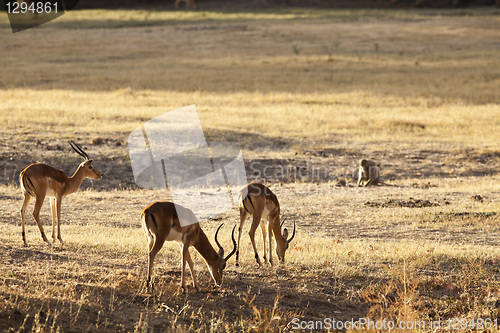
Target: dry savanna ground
column 306, row 94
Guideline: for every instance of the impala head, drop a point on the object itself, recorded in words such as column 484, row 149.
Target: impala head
column 280, row 250
column 86, row 165
column 217, row 270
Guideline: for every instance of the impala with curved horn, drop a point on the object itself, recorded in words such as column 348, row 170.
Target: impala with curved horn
column 161, row 223
column 40, row 180
column 257, row 200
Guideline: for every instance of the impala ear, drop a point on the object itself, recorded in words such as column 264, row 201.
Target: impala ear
column 285, row 234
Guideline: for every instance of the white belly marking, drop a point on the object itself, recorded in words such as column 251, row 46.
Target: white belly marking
column 51, row 193
column 265, row 214
column 174, row 235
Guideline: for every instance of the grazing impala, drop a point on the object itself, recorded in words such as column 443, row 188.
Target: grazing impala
column 40, row 180
column 258, row 200
column 161, row 223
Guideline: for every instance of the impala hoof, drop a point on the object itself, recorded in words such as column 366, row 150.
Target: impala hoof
column 184, row 290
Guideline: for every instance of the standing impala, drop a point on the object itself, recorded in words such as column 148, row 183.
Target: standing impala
column 40, row 180
column 161, row 223
column 258, row 200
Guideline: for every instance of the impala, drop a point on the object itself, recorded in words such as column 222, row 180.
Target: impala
column 40, row 180
column 257, row 200
column 161, row 223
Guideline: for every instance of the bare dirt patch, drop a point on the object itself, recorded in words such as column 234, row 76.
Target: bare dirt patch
column 310, row 165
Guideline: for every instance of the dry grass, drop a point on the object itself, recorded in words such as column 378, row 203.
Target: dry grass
column 304, row 92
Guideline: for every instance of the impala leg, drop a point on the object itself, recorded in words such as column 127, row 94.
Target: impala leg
column 154, row 248
column 151, row 259
column 26, row 201
column 53, row 210
column 272, row 220
column 255, row 224
column 191, row 269
column 243, row 217
column 36, row 215
column 185, row 253
column 264, row 236
column 58, row 209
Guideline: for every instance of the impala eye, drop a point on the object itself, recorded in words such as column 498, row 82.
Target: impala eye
column 90, row 167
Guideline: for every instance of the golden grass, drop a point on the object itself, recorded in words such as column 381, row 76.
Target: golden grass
column 416, row 90
column 92, row 218
column 326, row 86
column 378, row 78
column 358, row 116
column 101, row 268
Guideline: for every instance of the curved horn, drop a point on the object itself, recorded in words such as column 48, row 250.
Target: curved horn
column 78, row 150
column 234, row 245
column 216, row 241
column 293, row 233
column 283, row 221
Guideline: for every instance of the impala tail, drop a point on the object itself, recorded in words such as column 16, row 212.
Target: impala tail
column 26, row 184
column 149, row 223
